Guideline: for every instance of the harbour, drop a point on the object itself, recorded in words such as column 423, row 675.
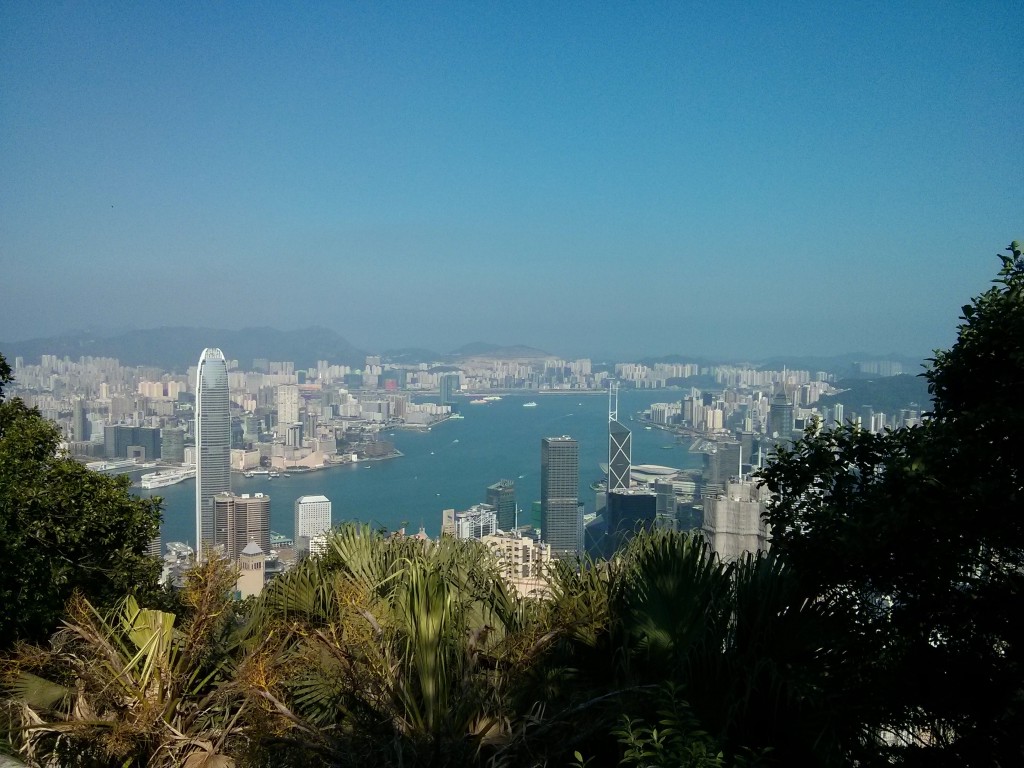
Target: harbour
column 448, row 466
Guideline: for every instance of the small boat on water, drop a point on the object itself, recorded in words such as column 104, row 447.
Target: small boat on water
column 530, row 404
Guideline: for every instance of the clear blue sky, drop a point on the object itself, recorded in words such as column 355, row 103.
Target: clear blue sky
column 708, row 178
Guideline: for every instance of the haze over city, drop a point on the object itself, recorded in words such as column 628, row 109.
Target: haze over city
column 600, row 180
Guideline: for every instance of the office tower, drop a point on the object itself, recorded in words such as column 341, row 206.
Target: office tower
column 239, row 520
column 665, row 511
column 502, row 496
column 213, row 442
column 723, row 464
column 780, row 417
column 287, row 404
column 619, row 444
column 79, row 423
column 448, row 385
column 312, row 518
column 561, row 521
column 172, row 445
column 630, row 509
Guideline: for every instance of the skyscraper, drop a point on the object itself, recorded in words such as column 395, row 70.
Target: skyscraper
column 780, row 417
column 239, row 520
column 619, row 445
column 502, row 496
column 312, row 517
column 561, row 521
column 448, row 385
column 79, row 422
column 213, row 442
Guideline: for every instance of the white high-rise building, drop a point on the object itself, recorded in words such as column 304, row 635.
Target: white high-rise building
column 213, row 442
column 287, row 406
column 312, row 518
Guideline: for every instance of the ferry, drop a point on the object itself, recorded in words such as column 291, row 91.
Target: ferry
column 491, row 398
column 163, row 479
column 482, row 401
column 530, row 404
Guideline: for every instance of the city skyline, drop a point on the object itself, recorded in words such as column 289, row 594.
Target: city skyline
column 735, row 180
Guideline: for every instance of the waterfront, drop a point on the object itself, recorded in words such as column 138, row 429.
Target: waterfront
column 451, row 465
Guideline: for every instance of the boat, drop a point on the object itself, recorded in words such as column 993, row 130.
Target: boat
column 478, row 402
column 491, row 398
column 530, row 404
column 456, row 416
column 163, row 479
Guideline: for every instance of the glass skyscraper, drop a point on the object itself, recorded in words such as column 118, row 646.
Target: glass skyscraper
column 502, row 496
column 561, row 521
column 213, row 443
column 620, row 441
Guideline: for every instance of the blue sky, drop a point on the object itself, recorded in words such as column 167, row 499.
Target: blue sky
column 722, row 179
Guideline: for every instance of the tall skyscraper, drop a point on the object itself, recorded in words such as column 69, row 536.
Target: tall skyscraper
column 312, row 518
column 448, row 385
column 619, row 445
column 780, row 417
column 213, row 443
column 240, row 520
column 79, row 422
column 561, row 521
column 502, row 496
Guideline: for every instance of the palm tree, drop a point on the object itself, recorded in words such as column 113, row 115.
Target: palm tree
column 387, row 650
column 129, row 688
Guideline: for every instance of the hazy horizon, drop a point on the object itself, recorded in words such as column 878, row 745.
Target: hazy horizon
column 735, row 181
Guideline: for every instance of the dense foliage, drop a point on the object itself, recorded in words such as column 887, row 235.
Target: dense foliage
column 917, row 537
column 62, row 528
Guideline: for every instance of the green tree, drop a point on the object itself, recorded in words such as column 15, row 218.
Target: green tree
column 916, row 537
column 62, row 528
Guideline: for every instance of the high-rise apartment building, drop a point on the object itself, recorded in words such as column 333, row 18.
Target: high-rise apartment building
column 213, row 443
column 620, row 451
column 240, row 520
column 312, row 518
column 561, row 521
column 502, row 496
column 287, row 405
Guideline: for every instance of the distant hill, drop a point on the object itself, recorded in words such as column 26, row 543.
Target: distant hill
column 482, row 349
column 411, row 355
column 886, row 395
column 177, row 348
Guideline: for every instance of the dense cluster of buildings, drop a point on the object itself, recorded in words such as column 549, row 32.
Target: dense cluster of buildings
column 217, row 418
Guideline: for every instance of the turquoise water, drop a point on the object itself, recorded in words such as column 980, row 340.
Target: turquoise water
column 451, row 465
